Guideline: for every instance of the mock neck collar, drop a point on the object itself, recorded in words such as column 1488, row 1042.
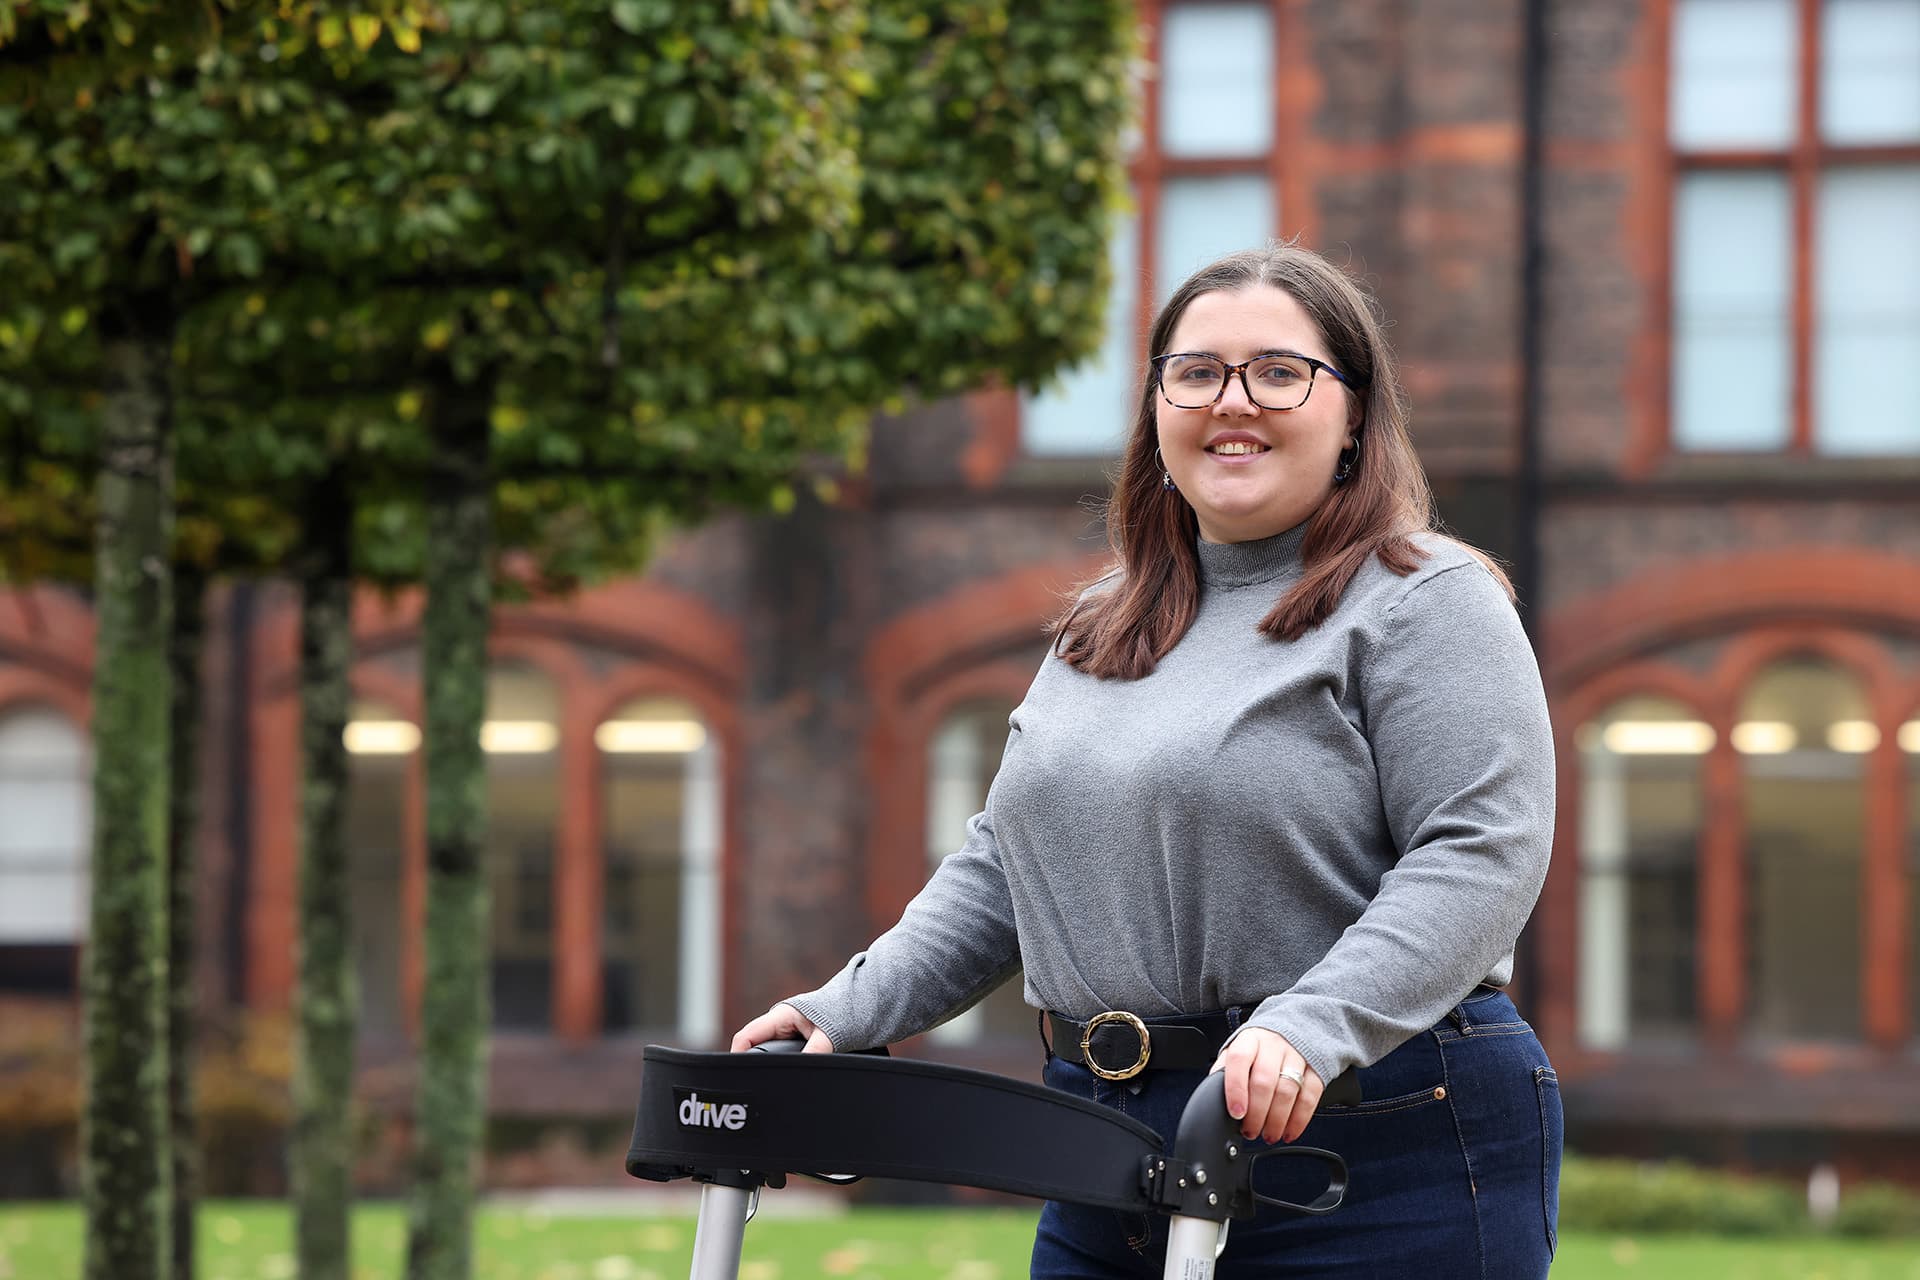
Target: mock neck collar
column 1226, row 565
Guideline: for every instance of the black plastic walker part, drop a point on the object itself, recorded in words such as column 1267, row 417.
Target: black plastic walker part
column 750, row 1119
column 1209, row 1173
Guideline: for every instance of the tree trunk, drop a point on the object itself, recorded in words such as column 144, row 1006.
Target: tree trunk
column 183, row 828
column 328, row 999
column 450, row 1111
column 125, row 1165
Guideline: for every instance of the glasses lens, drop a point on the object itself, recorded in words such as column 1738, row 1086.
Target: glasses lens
column 1279, row 382
column 1191, row 382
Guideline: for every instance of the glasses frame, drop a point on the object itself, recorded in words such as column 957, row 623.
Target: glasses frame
column 1313, row 366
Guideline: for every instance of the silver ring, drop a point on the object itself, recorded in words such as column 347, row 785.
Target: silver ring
column 1294, row 1074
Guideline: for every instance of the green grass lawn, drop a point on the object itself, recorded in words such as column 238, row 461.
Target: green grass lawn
column 252, row 1242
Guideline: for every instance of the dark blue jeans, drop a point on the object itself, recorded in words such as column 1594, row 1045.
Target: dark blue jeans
column 1453, row 1159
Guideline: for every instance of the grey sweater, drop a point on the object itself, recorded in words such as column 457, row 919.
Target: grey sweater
column 1347, row 830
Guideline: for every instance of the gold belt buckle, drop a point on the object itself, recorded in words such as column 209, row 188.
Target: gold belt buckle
column 1099, row 1020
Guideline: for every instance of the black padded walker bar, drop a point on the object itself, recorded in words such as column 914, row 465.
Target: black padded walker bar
column 740, row 1121
column 823, row 1114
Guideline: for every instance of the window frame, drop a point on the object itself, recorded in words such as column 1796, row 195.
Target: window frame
column 1890, row 1021
column 1804, row 160
column 584, row 699
column 1687, row 1037
column 23, row 695
column 691, row 1025
column 1150, row 169
column 976, row 1033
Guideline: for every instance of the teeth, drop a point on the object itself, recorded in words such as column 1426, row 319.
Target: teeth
column 1237, row 447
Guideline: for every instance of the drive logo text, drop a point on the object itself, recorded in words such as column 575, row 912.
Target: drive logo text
column 710, row 1112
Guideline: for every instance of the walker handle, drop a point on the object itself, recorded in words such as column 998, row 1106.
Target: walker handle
column 1209, row 1172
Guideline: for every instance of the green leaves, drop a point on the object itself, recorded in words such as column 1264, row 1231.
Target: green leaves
column 686, row 247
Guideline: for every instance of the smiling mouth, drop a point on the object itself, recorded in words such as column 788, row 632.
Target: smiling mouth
column 1236, row 448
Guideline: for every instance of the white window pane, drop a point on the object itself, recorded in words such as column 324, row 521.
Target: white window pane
column 44, row 812
column 46, row 801
column 661, row 915
column 41, row 906
column 1870, row 71
column 1216, row 80
column 1733, row 76
column 1867, row 344
column 36, row 738
column 1732, row 352
column 962, row 758
column 1089, row 409
column 1203, row 218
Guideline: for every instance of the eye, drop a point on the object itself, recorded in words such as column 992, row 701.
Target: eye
column 1198, row 370
column 1280, row 372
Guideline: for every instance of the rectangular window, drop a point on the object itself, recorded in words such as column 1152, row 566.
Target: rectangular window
column 1202, row 180
column 1203, row 218
column 1867, row 353
column 1216, row 78
column 1732, row 327
column 1088, row 409
column 1870, row 72
column 1796, row 307
column 1733, row 74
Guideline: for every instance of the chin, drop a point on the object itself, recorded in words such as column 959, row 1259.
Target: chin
column 1249, row 523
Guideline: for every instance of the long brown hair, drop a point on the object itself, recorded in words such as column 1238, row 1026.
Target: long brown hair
column 1383, row 504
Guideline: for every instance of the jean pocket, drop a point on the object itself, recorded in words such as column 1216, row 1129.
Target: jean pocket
column 1384, row 1106
column 1546, row 1087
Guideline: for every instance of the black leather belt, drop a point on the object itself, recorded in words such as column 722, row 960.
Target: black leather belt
column 1118, row 1046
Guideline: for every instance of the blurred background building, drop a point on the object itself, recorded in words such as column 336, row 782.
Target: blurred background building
column 1655, row 277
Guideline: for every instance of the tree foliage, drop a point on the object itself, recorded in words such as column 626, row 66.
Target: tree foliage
column 639, row 259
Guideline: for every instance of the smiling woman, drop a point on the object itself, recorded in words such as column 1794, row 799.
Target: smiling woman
column 1277, row 805
column 1253, row 454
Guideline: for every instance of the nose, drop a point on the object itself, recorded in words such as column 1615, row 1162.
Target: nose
column 1234, row 402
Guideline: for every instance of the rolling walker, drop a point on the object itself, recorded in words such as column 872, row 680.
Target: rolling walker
column 738, row 1122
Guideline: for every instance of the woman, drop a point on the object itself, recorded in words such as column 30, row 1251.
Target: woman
column 1277, row 804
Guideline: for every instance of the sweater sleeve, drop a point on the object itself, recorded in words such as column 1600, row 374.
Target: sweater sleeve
column 954, row 943
column 1457, row 719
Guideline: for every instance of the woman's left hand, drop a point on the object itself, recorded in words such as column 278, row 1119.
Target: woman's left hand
column 1270, row 1088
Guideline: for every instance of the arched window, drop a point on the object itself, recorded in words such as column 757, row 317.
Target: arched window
column 1803, row 733
column 381, row 747
column 1910, row 749
column 661, row 926
column 521, row 738
column 1640, row 817
column 46, row 772
column 962, row 759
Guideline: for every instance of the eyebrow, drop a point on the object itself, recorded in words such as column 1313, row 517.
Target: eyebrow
column 1258, row 355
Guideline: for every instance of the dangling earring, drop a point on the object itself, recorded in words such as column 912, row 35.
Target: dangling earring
column 1347, row 458
column 1166, row 477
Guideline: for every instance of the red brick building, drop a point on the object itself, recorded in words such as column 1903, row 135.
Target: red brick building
column 1654, row 270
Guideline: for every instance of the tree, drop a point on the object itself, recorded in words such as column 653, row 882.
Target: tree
column 636, row 270
column 128, row 1173
column 581, row 270
column 121, row 172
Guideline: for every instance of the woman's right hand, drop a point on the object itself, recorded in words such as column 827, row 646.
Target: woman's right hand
column 782, row 1022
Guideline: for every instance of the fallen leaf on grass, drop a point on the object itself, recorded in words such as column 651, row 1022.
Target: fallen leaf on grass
column 661, row 1239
